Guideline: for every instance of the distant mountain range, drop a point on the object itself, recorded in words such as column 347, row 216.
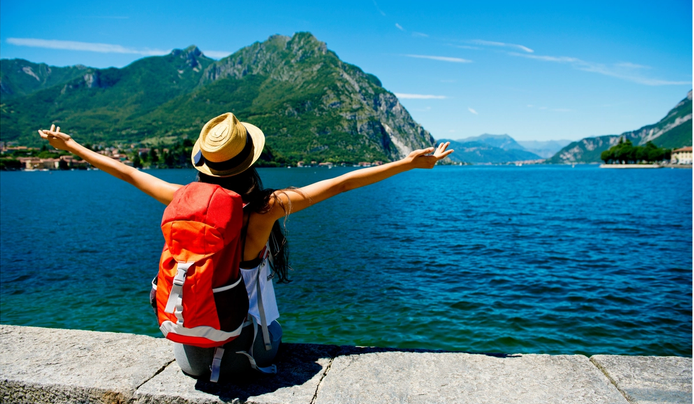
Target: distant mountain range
column 673, row 131
column 309, row 103
column 488, row 148
column 544, row 149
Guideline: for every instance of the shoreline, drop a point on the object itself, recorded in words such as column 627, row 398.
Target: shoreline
column 644, row 166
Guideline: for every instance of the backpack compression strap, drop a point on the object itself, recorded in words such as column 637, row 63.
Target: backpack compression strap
column 175, row 302
column 216, row 364
column 261, row 311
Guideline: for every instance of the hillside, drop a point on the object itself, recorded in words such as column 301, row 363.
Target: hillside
column 19, row 77
column 673, row 131
column 488, row 148
column 309, row 103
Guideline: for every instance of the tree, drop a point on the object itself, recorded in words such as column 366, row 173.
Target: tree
column 153, row 157
column 624, row 151
column 641, row 154
column 607, row 155
column 137, row 162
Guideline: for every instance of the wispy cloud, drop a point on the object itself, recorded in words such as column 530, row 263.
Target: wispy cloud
column 632, row 65
column 472, row 111
column 624, row 70
column 399, row 27
column 467, row 47
column 440, row 58
column 500, row 44
column 420, row 34
column 217, row 54
column 420, row 96
column 551, row 109
column 83, row 46
column 379, row 9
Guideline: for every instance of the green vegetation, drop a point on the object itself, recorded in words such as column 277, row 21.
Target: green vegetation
column 671, row 132
column 309, row 103
column 625, row 152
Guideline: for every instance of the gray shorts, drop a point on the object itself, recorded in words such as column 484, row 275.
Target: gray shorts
column 196, row 362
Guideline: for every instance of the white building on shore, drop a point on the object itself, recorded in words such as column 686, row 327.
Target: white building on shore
column 682, row 156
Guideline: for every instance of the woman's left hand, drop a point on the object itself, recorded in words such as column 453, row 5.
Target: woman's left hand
column 423, row 159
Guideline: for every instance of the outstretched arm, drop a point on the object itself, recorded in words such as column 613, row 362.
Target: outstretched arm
column 309, row 195
column 149, row 184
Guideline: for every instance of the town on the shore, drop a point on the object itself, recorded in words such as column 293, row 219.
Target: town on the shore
column 24, row 158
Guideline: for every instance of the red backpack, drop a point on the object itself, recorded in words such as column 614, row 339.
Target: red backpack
column 201, row 299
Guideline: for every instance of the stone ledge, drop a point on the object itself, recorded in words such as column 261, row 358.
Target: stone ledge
column 41, row 365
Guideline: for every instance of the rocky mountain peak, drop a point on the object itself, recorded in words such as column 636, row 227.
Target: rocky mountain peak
column 189, row 56
column 304, row 44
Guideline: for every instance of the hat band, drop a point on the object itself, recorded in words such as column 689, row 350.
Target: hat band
column 234, row 162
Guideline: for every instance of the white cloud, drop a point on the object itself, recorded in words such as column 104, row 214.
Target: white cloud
column 472, row 111
column 467, row 47
column 501, row 44
column 420, row 34
column 217, row 54
column 420, row 96
column 558, row 59
column 379, row 9
column 624, row 70
column 399, row 27
column 441, row 58
column 83, row 46
column 630, row 65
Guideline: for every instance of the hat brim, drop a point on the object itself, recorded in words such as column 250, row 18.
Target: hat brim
column 258, row 144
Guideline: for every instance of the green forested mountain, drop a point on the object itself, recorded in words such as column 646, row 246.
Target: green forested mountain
column 19, row 77
column 310, row 104
column 673, row 131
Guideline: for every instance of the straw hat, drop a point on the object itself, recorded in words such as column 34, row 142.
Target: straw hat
column 227, row 146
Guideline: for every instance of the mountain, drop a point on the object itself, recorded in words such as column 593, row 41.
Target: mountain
column 673, row 131
column 488, row 148
column 309, row 103
column 544, row 148
column 505, row 142
column 19, row 77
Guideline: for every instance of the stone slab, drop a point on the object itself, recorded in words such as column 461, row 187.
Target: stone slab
column 301, row 367
column 429, row 377
column 649, row 379
column 44, row 365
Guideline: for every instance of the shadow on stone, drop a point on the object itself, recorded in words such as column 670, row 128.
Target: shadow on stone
column 300, row 366
column 297, row 365
column 352, row 350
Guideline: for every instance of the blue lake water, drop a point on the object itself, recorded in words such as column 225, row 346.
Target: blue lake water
column 540, row 259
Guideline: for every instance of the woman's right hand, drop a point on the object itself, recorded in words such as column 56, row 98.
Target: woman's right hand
column 56, row 138
column 149, row 184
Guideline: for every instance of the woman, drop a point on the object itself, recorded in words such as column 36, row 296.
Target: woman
column 224, row 154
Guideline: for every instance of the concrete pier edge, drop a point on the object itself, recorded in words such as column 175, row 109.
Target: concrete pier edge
column 43, row 365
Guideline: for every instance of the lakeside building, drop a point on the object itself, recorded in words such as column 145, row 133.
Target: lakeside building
column 682, row 156
column 61, row 163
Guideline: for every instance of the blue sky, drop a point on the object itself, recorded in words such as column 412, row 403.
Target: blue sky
column 532, row 70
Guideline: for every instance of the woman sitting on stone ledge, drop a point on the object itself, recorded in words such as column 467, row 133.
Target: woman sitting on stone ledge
column 224, row 154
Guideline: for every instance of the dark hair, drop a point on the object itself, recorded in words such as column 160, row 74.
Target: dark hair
column 249, row 185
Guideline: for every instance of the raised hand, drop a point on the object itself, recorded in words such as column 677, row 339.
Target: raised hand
column 423, row 159
column 56, row 138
